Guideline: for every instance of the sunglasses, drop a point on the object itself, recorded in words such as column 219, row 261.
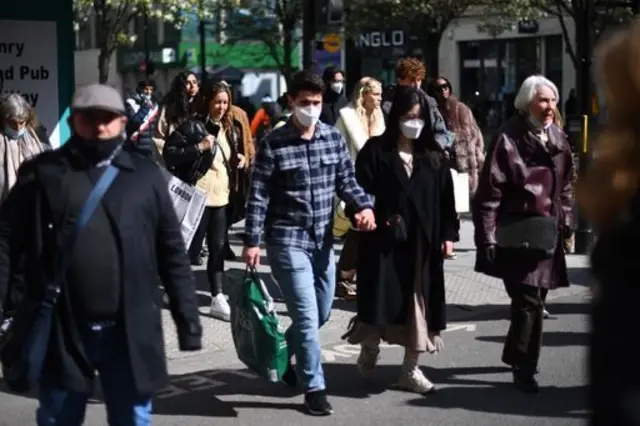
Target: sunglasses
column 443, row 86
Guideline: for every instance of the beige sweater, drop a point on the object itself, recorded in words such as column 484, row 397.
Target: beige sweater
column 215, row 183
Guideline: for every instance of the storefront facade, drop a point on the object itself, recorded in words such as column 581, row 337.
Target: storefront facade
column 487, row 71
column 36, row 60
column 375, row 53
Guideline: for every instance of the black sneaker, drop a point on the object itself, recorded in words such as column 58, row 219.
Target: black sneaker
column 316, row 403
column 289, row 378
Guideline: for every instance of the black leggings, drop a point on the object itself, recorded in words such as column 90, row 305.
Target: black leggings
column 214, row 227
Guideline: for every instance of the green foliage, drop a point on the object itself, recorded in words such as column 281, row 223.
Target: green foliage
column 114, row 16
column 432, row 15
column 502, row 15
column 113, row 19
column 276, row 23
column 264, row 20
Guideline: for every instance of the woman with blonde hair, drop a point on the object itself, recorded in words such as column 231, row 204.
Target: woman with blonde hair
column 360, row 120
column 609, row 197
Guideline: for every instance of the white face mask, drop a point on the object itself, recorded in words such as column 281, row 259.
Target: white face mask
column 308, row 115
column 411, row 129
column 337, row 86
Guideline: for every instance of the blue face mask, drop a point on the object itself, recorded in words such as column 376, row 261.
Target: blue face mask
column 14, row 134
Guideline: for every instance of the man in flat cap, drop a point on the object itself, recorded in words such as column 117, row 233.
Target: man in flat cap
column 107, row 315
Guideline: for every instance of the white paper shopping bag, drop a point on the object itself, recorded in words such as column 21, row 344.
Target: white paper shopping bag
column 461, row 191
column 189, row 203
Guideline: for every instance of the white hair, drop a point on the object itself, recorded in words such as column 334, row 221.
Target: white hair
column 530, row 88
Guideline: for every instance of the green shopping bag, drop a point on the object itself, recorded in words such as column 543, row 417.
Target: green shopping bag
column 257, row 334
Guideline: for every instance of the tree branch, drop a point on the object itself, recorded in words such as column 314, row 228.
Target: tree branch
column 567, row 40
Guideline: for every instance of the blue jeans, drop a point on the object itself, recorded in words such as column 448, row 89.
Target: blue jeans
column 307, row 279
column 106, row 347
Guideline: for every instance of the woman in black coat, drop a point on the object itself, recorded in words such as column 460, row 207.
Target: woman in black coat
column 609, row 196
column 401, row 297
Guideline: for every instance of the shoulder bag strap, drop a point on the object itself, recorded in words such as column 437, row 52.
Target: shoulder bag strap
column 86, row 211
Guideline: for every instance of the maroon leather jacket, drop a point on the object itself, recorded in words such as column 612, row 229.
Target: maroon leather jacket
column 522, row 176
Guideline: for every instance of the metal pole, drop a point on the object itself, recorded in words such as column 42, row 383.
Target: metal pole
column 147, row 54
column 309, row 30
column 203, row 44
column 584, row 13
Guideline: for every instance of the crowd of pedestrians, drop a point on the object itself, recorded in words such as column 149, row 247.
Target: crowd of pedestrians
column 380, row 161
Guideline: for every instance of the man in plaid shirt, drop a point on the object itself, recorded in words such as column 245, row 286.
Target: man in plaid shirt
column 298, row 170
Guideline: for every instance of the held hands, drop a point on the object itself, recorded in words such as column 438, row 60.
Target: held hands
column 251, row 256
column 365, row 220
column 447, row 248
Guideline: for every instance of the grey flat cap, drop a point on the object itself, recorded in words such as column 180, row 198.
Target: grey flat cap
column 98, row 97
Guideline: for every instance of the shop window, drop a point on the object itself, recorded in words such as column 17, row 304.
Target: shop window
column 491, row 72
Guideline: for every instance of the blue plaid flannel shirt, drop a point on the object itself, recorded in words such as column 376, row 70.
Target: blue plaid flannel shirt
column 293, row 187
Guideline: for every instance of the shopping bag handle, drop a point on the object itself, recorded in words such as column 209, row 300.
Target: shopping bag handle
column 252, row 272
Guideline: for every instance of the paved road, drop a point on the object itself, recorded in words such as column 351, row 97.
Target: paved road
column 467, row 294
column 474, row 389
column 211, row 386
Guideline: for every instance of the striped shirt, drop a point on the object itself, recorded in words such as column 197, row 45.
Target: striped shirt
column 293, row 187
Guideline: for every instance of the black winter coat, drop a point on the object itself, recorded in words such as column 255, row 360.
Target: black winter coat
column 386, row 269
column 613, row 365
column 37, row 217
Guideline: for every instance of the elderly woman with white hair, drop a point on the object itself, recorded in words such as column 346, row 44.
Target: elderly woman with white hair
column 522, row 213
column 22, row 137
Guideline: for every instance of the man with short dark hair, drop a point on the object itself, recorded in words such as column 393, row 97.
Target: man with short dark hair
column 142, row 112
column 334, row 98
column 298, row 170
column 107, row 317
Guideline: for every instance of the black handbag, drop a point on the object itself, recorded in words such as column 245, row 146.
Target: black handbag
column 530, row 235
column 395, row 229
column 535, row 235
column 192, row 132
column 24, row 341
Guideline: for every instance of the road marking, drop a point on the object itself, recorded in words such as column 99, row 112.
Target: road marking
column 208, row 380
column 332, row 355
column 463, row 327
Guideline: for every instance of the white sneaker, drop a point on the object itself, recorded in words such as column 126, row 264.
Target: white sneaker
column 367, row 360
column 414, row 381
column 220, row 308
column 545, row 313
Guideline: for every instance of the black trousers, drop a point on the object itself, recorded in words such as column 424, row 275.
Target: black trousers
column 524, row 339
column 213, row 227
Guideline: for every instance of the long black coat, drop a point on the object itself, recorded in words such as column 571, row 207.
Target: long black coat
column 386, row 270
column 37, row 217
column 614, row 374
